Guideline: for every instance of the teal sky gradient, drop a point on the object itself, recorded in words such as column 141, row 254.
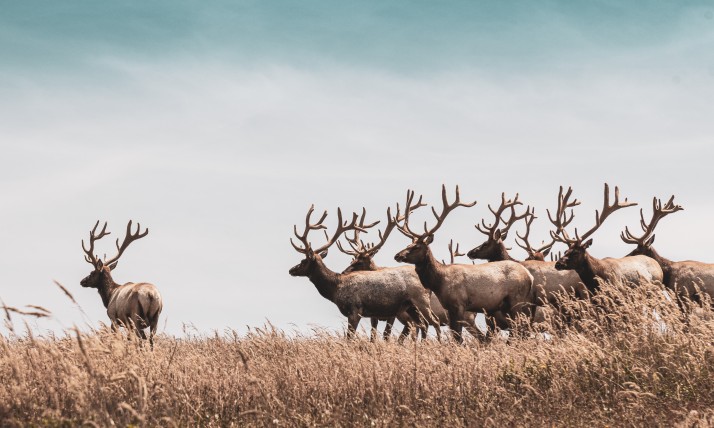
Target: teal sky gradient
column 512, row 37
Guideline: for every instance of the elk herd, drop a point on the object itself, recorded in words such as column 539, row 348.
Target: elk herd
column 426, row 292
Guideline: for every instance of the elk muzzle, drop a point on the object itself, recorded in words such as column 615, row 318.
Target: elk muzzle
column 401, row 256
column 562, row 264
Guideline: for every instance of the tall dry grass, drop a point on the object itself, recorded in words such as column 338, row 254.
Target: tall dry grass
column 629, row 358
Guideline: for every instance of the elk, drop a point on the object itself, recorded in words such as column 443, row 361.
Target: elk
column 635, row 269
column 489, row 288
column 363, row 260
column 547, row 280
column 686, row 278
column 133, row 305
column 380, row 294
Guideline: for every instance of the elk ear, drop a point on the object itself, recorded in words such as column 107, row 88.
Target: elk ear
column 99, row 265
column 546, row 252
column 504, row 235
column 497, row 235
column 429, row 239
column 113, row 265
column 650, row 241
column 587, row 243
column 323, row 254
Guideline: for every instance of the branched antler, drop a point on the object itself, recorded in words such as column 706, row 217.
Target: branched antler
column 600, row 216
column 89, row 256
column 491, row 230
column 658, row 213
column 342, row 227
column 130, row 237
column 560, row 221
column 356, row 243
column 440, row 217
column 454, row 252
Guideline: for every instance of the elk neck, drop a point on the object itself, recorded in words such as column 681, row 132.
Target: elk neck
column 665, row 264
column 501, row 254
column 430, row 272
column 589, row 270
column 106, row 287
column 325, row 280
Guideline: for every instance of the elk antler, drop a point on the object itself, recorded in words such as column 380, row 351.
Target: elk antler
column 128, row 239
column 600, row 217
column 342, row 227
column 491, row 230
column 308, row 227
column 560, row 221
column 90, row 257
column 446, row 209
column 357, row 244
column 658, row 213
column 454, row 252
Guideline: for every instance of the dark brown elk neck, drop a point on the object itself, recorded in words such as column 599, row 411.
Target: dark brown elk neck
column 591, row 269
column 430, row 272
column 106, row 288
column 325, row 280
column 665, row 264
column 501, row 254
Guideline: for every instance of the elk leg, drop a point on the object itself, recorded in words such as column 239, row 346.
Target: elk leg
column 418, row 320
column 388, row 329
column 373, row 331
column 455, row 325
column 435, row 323
column 352, row 323
column 409, row 323
column 153, row 324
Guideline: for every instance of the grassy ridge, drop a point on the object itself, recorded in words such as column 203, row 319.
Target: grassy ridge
column 612, row 367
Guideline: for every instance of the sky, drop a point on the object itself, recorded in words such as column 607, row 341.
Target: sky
column 217, row 124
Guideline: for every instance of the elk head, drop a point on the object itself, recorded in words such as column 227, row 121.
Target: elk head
column 418, row 250
column 312, row 257
column 103, row 268
column 493, row 248
column 644, row 242
column 560, row 221
column 575, row 255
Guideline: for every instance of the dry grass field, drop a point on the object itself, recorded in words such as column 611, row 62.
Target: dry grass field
column 628, row 360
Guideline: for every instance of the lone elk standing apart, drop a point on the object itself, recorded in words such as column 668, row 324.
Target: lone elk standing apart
column 133, row 305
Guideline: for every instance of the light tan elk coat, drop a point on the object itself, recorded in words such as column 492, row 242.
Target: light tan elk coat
column 547, row 280
column 503, row 287
column 132, row 305
column 628, row 270
column 686, row 278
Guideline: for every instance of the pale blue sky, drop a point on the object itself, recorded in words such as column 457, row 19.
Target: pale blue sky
column 218, row 125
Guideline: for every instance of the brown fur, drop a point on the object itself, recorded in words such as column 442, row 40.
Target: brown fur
column 131, row 305
column 491, row 288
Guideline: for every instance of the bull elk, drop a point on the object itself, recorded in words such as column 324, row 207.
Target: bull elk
column 547, row 280
column 686, row 278
column 488, row 288
column 133, row 305
column 363, row 260
column 380, row 294
column 635, row 269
